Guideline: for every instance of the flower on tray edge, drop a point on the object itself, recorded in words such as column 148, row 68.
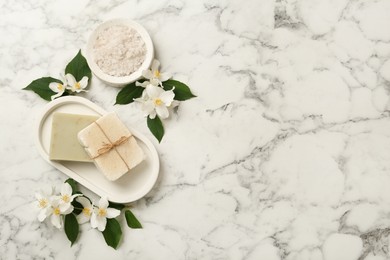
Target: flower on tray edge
column 76, row 79
column 71, row 208
column 156, row 94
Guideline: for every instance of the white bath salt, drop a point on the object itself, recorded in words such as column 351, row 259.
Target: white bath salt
column 119, row 50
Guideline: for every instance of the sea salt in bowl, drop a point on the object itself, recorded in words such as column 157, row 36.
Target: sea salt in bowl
column 118, row 51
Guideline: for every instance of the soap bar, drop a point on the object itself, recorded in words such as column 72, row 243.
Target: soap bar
column 64, row 143
column 113, row 148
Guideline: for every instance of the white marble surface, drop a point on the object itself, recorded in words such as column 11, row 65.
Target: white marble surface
column 283, row 155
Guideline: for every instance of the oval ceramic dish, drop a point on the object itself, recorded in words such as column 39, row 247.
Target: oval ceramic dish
column 120, row 81
column 130, row 187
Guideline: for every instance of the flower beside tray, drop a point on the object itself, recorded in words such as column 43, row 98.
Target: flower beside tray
column 69, row 208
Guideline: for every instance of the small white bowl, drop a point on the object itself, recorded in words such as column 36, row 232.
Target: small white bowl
column 113, row 80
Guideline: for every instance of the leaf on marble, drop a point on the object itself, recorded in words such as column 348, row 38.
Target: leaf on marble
column 71, row 227
column 181, row 90
column 112, row 233
column 131, row 220
column 78, row 67
column 118, row 206
column 41, row 87
column 156, row 127
column 127, row 94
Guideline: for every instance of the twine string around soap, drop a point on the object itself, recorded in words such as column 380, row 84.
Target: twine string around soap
column 106, row 147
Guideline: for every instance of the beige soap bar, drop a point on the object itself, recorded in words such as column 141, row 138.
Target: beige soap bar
column 64, row 144
column 110, row 143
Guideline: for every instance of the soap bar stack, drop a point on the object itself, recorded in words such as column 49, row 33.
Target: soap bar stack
column 106, row 141
column 111, row 146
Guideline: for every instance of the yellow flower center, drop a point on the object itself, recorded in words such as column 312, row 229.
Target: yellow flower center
column 157, row 102
column 60, row 87
column 56, row 211
column 65, row 198
column 77, row 85
column 102, row 212
column 42, row 203
column 87, row 211
column 157, row 73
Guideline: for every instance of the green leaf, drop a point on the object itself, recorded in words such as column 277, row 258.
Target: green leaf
column 41, row 87
column 156, row 127
column 127, row 94
column 78, row 67
column 131, row 220
column 182, row 91
column 114, row 205
column 71, row 227
column 72, row 184
column 113, row 233
column 77, row 207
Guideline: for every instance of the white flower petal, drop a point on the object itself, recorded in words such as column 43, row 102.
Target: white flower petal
column 162, row 112
column 83, row 82
column 94, row 222
column 155, row 82
column 148, row 107
column 66, row 189
column 101, row 223
column 143, row 84
column 64, row 207
column 57, row 95
column 78, row 90
column 54, row 201
column 167, row 97
column 112, row 213
column 67, row 210
column 164, row 76
column 145, row 94
column 63, row 79
column 153, row 91
column 153, row 114
column 83, row 218
column 139, row 100
column 84, row 202
column 71, row 81
column 155, row 65
column 56, row 220
column 74, row 196
column 48, row 191
column 103, row 203
column 147, row 74
column 43, row 214
column 54, row 86
column 39, row 196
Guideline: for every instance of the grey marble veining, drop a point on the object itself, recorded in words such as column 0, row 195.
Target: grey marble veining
column 284, row 154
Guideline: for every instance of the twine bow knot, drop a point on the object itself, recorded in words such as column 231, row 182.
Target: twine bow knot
column 106, row 147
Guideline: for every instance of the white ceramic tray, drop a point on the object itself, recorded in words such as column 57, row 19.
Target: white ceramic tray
column 130, row 187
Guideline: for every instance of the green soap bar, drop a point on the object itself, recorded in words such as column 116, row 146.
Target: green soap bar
column 64, row 145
